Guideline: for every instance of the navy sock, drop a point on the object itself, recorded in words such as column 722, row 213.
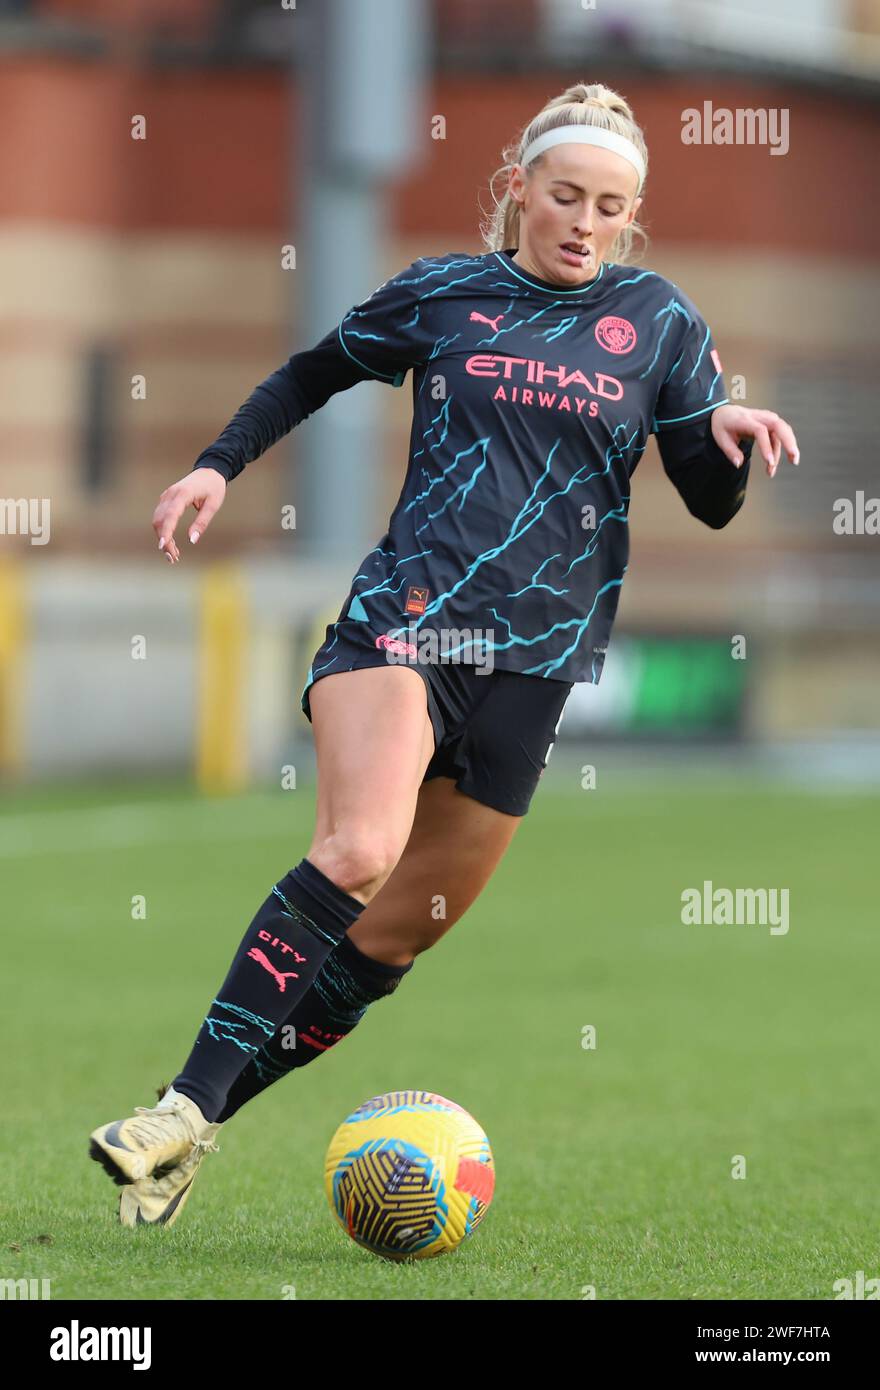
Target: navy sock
column 349, row 981
column 304, row 917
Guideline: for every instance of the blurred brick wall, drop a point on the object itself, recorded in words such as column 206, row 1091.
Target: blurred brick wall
column 168, row 249
column 192, row 17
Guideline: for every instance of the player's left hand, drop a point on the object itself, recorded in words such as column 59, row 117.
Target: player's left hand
column 771, row 433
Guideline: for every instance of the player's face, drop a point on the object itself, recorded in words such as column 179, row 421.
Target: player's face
column 576, row 194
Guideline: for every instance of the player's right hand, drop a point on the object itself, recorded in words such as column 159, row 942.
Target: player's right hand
column 203, row 489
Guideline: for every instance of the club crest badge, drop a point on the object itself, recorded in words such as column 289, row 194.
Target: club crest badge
column 615, row 334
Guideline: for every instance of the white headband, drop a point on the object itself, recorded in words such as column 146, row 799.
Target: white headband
column 587, row 135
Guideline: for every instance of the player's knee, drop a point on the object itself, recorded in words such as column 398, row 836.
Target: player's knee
column 357, row 860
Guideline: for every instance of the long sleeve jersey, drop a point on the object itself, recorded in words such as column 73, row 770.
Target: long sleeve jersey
column 532, row 405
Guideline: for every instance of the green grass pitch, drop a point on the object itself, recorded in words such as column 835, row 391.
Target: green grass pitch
column 613, row 1164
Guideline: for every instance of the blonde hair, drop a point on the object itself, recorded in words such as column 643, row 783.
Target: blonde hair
column 582, row 104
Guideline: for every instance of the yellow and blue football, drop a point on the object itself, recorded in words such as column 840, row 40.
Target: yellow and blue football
column 409, row 1175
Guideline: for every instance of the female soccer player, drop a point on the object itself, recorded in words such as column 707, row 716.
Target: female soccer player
column 540, row 369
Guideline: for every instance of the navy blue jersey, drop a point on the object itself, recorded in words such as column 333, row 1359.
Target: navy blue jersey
column 532, row 405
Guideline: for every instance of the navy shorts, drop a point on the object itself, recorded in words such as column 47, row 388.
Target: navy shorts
column 493, row 730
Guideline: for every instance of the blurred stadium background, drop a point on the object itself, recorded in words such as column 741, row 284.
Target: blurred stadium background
column 291, row 162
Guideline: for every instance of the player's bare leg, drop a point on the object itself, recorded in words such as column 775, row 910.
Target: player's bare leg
column 374, row 740
column 454, row 847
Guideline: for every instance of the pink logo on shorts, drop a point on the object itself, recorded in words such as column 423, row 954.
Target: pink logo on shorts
column 394, row 644
column 617, row 335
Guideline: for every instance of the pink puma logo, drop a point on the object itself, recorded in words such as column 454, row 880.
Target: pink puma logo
column 394, row 644
column 262, row 959
column 481, row 318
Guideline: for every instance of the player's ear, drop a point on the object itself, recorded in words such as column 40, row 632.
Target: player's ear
column 635, row 207
column 516, row 183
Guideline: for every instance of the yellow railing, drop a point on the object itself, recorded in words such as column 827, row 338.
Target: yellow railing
column 12, row 644
column 221, row 695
